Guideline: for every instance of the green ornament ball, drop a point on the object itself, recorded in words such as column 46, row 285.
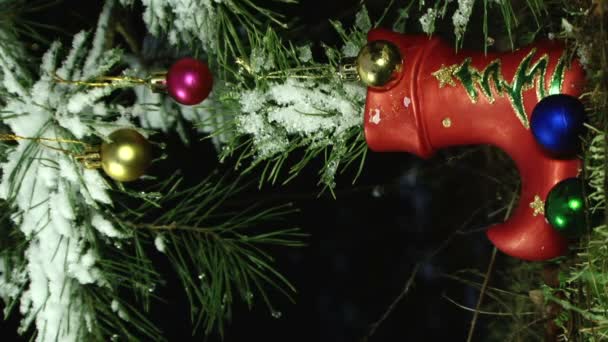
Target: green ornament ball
column 565, row 208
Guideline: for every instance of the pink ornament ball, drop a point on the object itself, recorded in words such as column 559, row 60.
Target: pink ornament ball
column 189, row 81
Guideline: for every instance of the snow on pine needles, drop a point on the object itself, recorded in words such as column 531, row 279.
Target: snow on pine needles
column 307, row 109
column 182, row 21
column 57, row 204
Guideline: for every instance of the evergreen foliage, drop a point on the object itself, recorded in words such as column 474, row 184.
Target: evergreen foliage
column 75, row 248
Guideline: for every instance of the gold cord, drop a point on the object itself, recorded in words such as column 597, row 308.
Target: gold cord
column 345, row 72
column 104, row 81
column 91, row 159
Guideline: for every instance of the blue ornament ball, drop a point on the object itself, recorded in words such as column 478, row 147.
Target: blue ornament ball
column 557, row 122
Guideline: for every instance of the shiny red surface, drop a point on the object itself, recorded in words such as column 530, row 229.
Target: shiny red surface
column 189, row 81
column 409, row 117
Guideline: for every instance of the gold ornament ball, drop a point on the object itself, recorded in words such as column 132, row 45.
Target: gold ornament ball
column 126, row 156
column 378, row 63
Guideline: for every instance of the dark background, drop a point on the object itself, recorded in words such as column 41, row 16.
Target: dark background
column 364, row 244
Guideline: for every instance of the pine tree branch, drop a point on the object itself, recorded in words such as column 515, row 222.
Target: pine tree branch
column 217, row 255
column 481, row 294
column 391, row 308
column 476, row 310
column 487, row 277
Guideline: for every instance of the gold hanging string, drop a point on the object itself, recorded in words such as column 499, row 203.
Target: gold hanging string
column 91, row 158
column 103, row 81
column 156, row 81
column 15, row 137
column 295, row 73
column 346, row 72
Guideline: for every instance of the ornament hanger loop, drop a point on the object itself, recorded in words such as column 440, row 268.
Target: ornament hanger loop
column 348, row 71
column 90, row 160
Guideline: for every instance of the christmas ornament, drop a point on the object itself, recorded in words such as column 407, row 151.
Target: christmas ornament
column 441, row 98
column 189, row 81
column 565, row 207
column 126, row 156
column 557, row 122
column 378, row 63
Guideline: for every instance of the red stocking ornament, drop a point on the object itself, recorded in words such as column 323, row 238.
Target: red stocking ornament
column 439, row 98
